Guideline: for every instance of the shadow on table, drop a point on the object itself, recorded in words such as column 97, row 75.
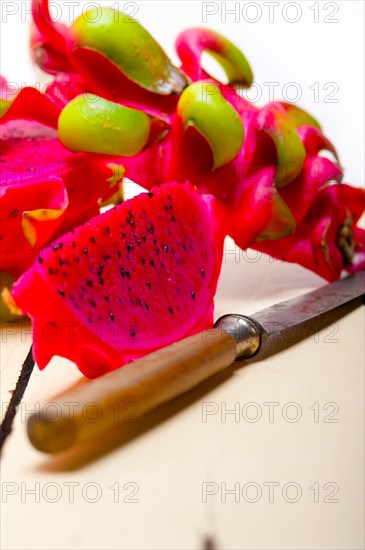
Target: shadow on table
column 124, row 433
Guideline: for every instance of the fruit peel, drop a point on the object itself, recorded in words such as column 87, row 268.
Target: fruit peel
column 124, row 42
column 203, row 107
column 192, row 43
column 92, row 124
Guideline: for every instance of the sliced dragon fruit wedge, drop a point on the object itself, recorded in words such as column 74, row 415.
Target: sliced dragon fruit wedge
column 131, row 280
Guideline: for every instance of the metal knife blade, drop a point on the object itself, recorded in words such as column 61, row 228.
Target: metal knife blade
column 308, row 306
column 250, row 333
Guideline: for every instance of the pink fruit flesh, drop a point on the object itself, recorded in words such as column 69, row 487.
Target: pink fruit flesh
column 136, row 278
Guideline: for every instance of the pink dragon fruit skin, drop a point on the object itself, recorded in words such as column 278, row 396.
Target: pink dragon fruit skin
column 28, row 103
column 45, row 189
column 135, row 278
column 48, row 40
column 327, row 239
column 44, row 197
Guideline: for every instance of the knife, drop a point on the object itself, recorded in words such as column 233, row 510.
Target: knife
column 173, row 370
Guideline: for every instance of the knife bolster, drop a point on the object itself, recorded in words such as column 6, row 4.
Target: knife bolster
column 245, row 331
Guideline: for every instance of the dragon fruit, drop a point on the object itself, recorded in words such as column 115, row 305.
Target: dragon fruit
column 135, row 278
column 263, row 164
column 45, row 189
column 269, row 188
column 327, row 239
column 270, row 183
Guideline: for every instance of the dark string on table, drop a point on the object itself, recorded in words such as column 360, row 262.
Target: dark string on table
column 17, row 395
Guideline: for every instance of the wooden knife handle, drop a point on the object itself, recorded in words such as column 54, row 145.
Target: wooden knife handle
column 142, row 385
